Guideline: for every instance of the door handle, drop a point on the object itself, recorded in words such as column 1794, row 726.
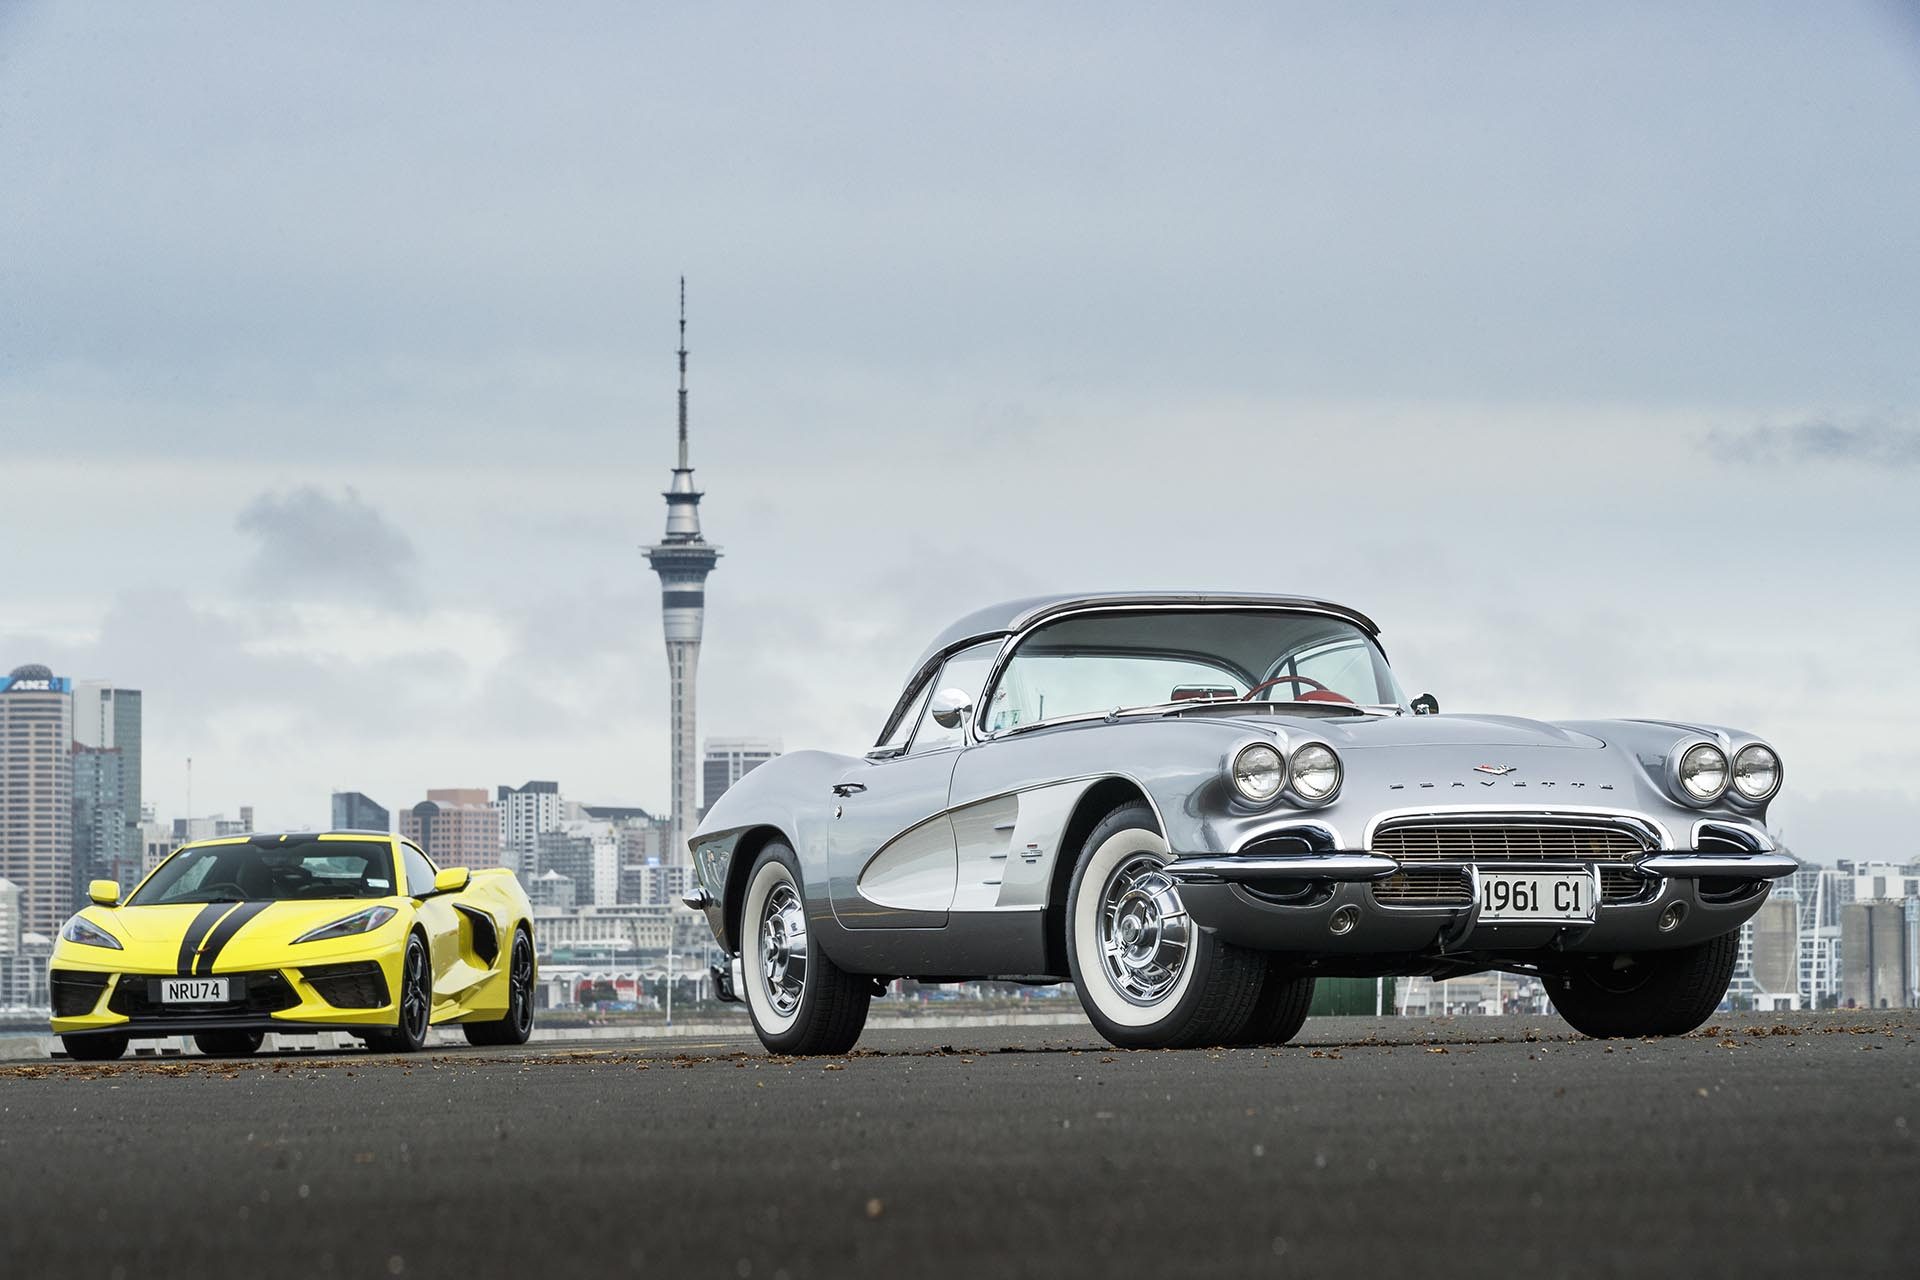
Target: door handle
column 844, row 789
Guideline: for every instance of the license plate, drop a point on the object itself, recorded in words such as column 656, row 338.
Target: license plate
column 193, row 990
column 1536, row 895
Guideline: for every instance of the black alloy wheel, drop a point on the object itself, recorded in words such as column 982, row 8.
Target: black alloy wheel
column 96, row 1047
column 416, row 1004
column 517, row 1026
column 229, row 1044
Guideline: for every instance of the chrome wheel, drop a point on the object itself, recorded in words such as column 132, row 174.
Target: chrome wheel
column 1145, row 935
column 783, row 949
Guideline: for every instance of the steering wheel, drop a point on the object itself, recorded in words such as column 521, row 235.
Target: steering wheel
column 1316, row 692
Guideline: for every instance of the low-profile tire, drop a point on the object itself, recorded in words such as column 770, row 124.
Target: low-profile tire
column 1653, row 993
column 518, row 1023
column 95, row 1048
column 801, row 1002
column 229, row 1044
column 1148, row 977
column 416, row 1004
column 1282, row 1007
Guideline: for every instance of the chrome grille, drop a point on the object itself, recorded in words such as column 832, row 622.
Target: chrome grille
column 1617, row 884
column 1425, row 884
column 1499, row 842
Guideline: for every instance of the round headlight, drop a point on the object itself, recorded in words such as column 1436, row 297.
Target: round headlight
column 1756, row 772
column 1259, row 772
column 1703, row 771
column 1316, row 772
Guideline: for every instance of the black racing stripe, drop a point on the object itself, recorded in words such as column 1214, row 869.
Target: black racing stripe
column 221, row 936
column 197, row 933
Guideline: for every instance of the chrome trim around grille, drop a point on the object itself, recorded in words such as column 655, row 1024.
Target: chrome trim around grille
column 1507, row 841
column 1315, row 866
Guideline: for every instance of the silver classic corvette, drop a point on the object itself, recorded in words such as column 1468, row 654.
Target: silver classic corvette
column 1193, row 805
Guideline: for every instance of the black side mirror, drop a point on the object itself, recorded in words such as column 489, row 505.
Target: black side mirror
column 1426, row 705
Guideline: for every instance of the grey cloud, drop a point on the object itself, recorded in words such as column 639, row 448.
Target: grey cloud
column 1868, row 444
column 312, row 544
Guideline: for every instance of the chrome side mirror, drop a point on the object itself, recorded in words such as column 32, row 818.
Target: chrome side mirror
column 949, row 707
column 1426, row 705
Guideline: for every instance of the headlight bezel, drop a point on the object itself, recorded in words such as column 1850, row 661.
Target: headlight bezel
column 1677, row 773
column 1740, row 793
column 364, row 921
column 1236, row 773
column 75, row 929
column 1294, row 771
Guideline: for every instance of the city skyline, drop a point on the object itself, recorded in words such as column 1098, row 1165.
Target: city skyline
column 363, row 481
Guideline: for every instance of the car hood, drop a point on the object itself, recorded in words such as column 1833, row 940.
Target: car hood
column 1360, row 733
column 168, row 923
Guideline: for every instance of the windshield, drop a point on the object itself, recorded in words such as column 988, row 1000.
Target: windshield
column 249, row 873
column 1099, row 662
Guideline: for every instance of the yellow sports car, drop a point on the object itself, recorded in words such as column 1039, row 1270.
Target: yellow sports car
column 229, row 939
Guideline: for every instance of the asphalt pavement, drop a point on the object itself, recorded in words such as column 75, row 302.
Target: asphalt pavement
column 1777, row 1144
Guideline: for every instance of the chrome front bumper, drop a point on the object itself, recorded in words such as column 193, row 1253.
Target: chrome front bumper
column 1325, row 905
column 1359, row 868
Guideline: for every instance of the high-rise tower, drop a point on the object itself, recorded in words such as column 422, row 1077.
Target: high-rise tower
column 683, row 559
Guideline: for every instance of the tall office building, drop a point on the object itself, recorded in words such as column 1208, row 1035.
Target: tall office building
column 683, row 559
column 456, row 826
column 525, row 814
column 36, row 795
column 728, row 760
column 106, row 785
column 353, row 811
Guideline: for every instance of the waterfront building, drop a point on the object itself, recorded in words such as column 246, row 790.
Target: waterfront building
column 353, row 811
column 526, row 813
column 456, row 826
column 727, row 760
column 36, row 795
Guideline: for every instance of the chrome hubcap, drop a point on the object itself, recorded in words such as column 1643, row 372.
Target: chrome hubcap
column 1144, row 931
column 783, row 949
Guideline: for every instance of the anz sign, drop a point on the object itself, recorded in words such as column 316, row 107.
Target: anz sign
column 42, row 684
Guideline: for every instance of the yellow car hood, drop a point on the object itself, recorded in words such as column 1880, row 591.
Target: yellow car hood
column 168, row 937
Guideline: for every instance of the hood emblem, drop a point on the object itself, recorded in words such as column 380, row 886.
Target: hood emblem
column 1497, row 770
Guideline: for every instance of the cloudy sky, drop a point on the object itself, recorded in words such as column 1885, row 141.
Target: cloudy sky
column 1577, row 344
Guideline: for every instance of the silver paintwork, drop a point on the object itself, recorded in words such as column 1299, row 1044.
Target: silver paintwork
column 953, row 862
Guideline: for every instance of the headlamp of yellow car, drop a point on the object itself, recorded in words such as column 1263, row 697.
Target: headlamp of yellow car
column 359, row 922
column 88, row 934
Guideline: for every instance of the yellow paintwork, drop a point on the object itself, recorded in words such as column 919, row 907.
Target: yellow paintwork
column 466, row 987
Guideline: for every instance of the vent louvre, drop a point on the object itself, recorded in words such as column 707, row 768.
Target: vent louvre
column 1502, row 842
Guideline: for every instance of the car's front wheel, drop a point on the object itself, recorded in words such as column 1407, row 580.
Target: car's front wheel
column 95, row 1048
column 801, row 1002
column 1281, row 1010
column 1651, row 993
column 1148, row 977
column 517, row 1026
column 416, row 1004
column 229, row 1044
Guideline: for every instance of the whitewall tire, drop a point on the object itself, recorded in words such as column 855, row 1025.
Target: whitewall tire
column 1147, row 975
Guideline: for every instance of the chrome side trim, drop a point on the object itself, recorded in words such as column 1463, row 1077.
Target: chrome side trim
column 1319, row 866
column 699, row 899
column 1758, row 866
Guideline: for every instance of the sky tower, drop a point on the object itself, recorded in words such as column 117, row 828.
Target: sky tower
column 683, row 559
